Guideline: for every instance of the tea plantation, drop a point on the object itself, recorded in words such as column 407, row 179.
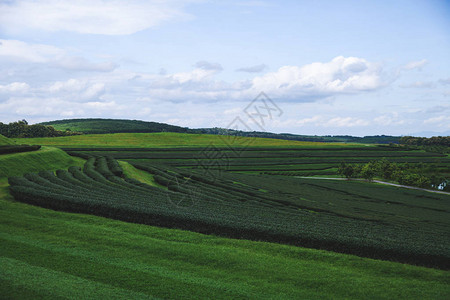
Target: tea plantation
column 224, row 196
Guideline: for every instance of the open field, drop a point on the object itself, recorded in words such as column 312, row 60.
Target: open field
column 160, row 139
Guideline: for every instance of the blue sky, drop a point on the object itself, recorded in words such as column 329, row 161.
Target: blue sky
column 332, row 67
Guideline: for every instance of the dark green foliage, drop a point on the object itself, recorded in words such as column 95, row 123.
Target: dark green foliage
column 269, row 208
column 402, row 173
column 422, row 141
column 21, row 129
column 7, row 149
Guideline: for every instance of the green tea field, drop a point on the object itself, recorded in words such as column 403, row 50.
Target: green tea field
column 171, row 219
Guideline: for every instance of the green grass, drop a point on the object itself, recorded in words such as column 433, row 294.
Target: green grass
column 162, row 139
column 48, row 254
column 46, row 158
column 139, row 175
column 5, row 141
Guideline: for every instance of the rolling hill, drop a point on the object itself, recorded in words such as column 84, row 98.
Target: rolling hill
column 98, row 126
column 102, row 126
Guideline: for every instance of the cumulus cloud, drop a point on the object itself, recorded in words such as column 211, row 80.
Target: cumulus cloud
column 341, row 75
column 15, row 87
column 198, row 85
column 253, row 69
column 117, row 17
column 76, row 90
column 415, row 65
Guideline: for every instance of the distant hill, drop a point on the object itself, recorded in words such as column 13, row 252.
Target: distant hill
column 429, row 134
column 101, row 126
column 375, row 139
column 5, row 141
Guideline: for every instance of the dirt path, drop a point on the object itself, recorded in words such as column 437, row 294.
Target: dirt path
column 379, row 181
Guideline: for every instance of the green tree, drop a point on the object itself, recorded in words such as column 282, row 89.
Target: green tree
column 346, row 170
column 368, row 171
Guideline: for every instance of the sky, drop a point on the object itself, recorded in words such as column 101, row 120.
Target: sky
column 303, row 67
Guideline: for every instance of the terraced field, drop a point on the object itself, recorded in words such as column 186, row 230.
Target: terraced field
column 352, row 218
column 232, row 192
column 293, row 161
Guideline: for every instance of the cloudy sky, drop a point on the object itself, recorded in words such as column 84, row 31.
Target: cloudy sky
column 331, row 67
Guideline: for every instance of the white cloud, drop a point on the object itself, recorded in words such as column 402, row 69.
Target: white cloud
column 418, row 85
column 346, row 122
column 440, row 121
column 253, row 69
column 76, row 90
column 389, row 119
column 124, row 92
column 415, row 65
column 341, row 75
column 119, row 17
column 312, row 120
column 15, row 87
column 19, row 52
column 208, row 66
column 77, row 63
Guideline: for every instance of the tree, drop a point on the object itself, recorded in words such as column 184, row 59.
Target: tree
column 368, row 171
column 346, row 170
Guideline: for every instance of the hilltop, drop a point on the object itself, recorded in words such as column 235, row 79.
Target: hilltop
column 103, row 126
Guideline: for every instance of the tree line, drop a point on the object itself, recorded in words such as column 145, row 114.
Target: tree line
column 402, row 173
column 21, row 129
column 422, row 141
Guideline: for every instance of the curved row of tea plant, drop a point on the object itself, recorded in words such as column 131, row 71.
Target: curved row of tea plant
column 297, row 161
column 205, row 203
column 8, row 149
